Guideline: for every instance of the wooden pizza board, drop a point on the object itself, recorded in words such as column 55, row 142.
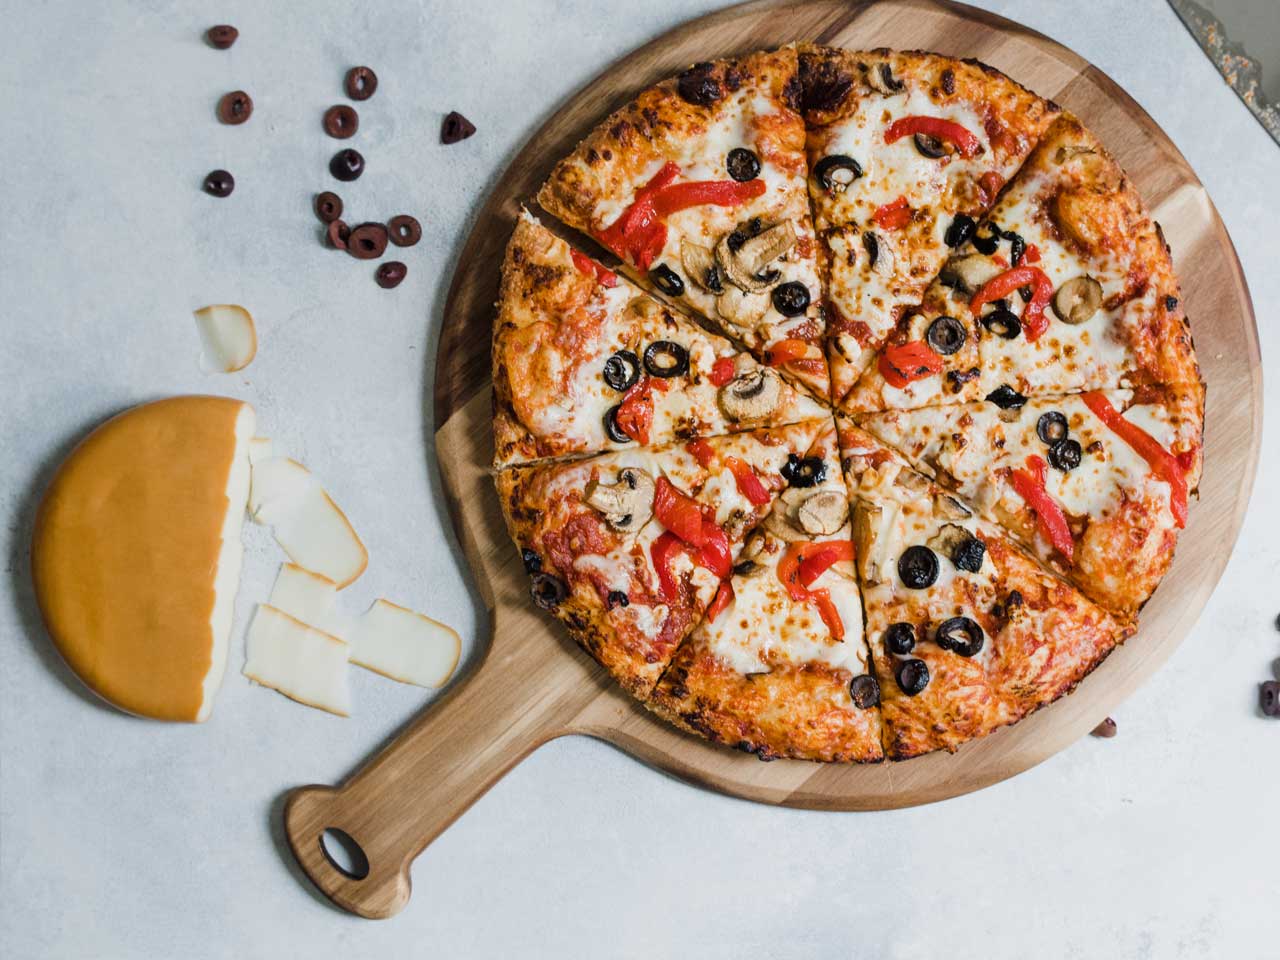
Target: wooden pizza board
column 533, row 684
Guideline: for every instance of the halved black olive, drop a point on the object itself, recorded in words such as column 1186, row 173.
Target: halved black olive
column 622, row 370
column 665, row 359
column 547, row 591
column 699, row 86
column 918, row 567
column 611, row 428
column 804, row 471
column 1065, row 455
column 742, row 164
column 946, row 335
column 959, row 635
column 617, row 598
column 1003, row 323
column 961, row 229
column 532, row 562
column 989, row 243
column 871, row 243
column 865, row 691
column 900, row 639
column 837, row 171
column 1052, row 427
column 912, row 676
column 791, row 299
column 968, row 554
column 930, row 147
column 1006, row 398
column 667, row 280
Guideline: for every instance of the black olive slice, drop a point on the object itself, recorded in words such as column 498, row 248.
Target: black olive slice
column 900, row 639
column 1017, row 247
column 961, row 229
column 742, row 164
column 548, row 591
column 804, row 471
column 622, row 370
column 912, row 676
column 837, row 171
column 871, row 243
column 1006, row 398
column 699, row 86
column 791, row 299
column 959, row 635
column 946, row 335
column 1065, row 455
column 931, row 147
column 532, row 562
column 968, row 554
column 611, row 428
column 865, row 691
column 1269, row 698
column 712, row 280
column 918, row 567
column 1003, row 323
column 667, row 280
column 1052, row 427
column 988, row 243
column 666, row 358
column 617, row 598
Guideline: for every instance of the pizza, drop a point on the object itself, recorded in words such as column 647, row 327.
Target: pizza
column 865, row 417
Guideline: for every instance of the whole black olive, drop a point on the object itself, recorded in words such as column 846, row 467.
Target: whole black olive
column 960, row 635
column 1065, row 455
column 698, row 86
column 961, row 229
column 1006, row 398
column 871, row 243
column 617, row 598
column 742, row 164
column 667, row 280
column 968, row 554
column 865, row 691
column 791, row 299
column 611, row 428
column 837, row 171
column 900, row 639
column 548, row 591
column 1052, row 427
column 347, row 165
column 989, row 243
column 1003, row 323
column 912, row 676
column 804, row 471
column 622, row 370
column 665, row 358
column 918, row 567
column 946, row 335
column 532, row 562
column 930, row 147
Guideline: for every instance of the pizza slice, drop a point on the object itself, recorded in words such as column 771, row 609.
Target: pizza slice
column 583, row 361
column 779, row 667
column 967, row 632
column 627, row 549
column 698, row 185
column 906, row 150
column 1096, row 483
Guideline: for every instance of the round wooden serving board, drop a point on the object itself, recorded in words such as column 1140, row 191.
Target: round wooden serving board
column 533, row 684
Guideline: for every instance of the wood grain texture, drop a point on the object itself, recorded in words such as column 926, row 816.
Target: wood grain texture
column 533, row 684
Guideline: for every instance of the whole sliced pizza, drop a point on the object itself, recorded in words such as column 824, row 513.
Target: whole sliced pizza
column 845, row 406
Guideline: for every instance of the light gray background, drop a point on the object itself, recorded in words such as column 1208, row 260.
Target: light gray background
column 123, row 838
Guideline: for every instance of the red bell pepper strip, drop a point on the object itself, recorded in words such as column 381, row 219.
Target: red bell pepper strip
column 1029, row 485
column 1034, row 321
column 1031, row 254
column 749, row 484
column 904, row 363
column 635, row 412
column 828, row 612
column 701, row 451
column 678, row 513
column 714, row 554
column 814, row 563
column 604, row 276
column 989, row 184
column 786, row 351
column 893, row 215
column 724, row 597
column 965, row 142
column 722, row 371
column 796, row 579
column 661, row 552
column 698, row 193
column 1164, row 464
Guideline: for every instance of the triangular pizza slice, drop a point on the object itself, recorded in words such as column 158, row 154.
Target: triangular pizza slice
column 698, row 185
column 968, row 633
column 628, row 548
column 779, row 667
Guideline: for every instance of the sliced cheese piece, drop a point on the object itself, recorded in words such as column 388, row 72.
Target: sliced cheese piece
column 317, row 535
column 136, row 553
column 303, row 663
column 279, row 486
column 260, row 448
column 404, row 645
column 228, row 339
column 311, row 598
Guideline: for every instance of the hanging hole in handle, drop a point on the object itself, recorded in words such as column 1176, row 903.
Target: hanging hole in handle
column 344, row 854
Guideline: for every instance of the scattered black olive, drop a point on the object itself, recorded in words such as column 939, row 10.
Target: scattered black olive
column 611, row 428
column 361, row 83
column 667, row 280
column 699, row 86
column 968, row 554
column 946, row 335
column 1052, row 427
column 989, row 243
column 235, row 107
column 368, row 241
column 961, row 229
column 791, row 299
column 622, row 370
column 742, row 164
column 960, row 635
column 219, row 183
column 918, row 567
column 328, row 206
column 804, row 471
column 913, row 676
column 389, row 274
column 744, row 567
column 712, row 280
column 404, row 230
column 1003, row 323
column 1065, row 455
column 745, row 232
column 871, row 243
column 617, row 598
column 338, row 233
column 548, row 591
column 1171, row 303
column 532, row 562
column 1006, row 398
column 1106, row 729
column 900, row 639
column 865, row 691
column 665, row 358
column 1017, row 247
column 347, row 165
column 222, row 36
column 930, row 147
column 837, row 171
column 455, row 128
column 1269, row 698
column 341, row 121
column 1026, row 293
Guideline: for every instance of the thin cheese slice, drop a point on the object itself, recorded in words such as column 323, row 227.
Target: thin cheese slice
column 260, row 448
column 405, row 646
column 279, row 485
column 311, row 598
column 228, row 338
column 303, row 663
column 317, row 535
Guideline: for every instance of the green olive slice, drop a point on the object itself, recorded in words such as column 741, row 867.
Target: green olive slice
column 1077, row 300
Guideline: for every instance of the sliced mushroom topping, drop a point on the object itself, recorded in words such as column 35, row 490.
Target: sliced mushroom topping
column 740, row 308
column 948, row 537
column 745, row 266
column 949, row 508
column 1069, row 152
column 880, row 257
column 968, row 273
column 1077, row 300
column 699, row 264
column 783, row 521
column 823, row 513
column 751, row 395
column 872, row 540
column 880, row 76
column 627, row 503
column 910, row 483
